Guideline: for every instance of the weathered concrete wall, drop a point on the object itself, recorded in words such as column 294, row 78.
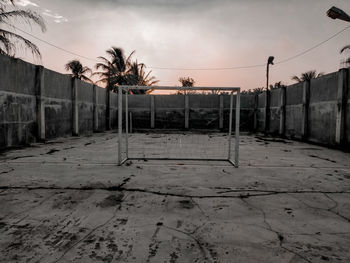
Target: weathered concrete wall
column 323, row 108
column 294, row 100
column 37, row 103
column 57, row 93
column 17, row 102
column 275, row 104
column 316, row 111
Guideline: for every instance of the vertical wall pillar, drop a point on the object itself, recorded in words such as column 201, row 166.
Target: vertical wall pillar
column 305, row 110
column 256, row 105
column 40, row 102
column 187, row 112
column 341, row 105
column 221, row 111
column 153, row 112
column 282, row 126
column 75, row 117
column 108, row 109
column 95, row 108
column 267, row 111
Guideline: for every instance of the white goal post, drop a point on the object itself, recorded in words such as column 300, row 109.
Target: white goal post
column 123, row 132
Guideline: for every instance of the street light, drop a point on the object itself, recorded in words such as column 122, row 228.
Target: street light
column 336, row 13
column 267, row 97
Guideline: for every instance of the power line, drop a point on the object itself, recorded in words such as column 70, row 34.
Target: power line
column 50, row 44
column 313, row 47
column 198, row 69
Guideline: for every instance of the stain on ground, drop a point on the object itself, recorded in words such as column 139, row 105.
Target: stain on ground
column 112, row 200
column 187, row 204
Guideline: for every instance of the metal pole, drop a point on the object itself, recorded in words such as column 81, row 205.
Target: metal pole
column 238, row 105
column 126, row 124
column 130, row 122
column 120, row 124
column 230, row 127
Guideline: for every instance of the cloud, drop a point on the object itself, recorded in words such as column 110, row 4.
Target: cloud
column 26, row 3
column 57, row 18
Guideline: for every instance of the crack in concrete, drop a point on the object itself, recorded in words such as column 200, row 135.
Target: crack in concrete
column 279, row 235
column 242, row 192
column 11, row 169
column 90, row 232
column 326, row 209
column 190, row 234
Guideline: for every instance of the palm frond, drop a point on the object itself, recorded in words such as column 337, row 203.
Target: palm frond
column 26, row 15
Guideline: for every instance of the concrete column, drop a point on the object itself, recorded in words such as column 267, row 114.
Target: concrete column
column 341, row 105
column 40, row 102
column 221, row 112
column 153, row 111
column 95, row 108
column 187, row 112
column 267, row 112
column 305, row 110
column 282, row 111
column 108, row 109
column 256, row 105
column 75, row 117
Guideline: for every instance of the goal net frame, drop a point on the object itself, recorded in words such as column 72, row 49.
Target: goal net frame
column 230, row 90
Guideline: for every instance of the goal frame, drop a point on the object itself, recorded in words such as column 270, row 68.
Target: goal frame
column 231, row 91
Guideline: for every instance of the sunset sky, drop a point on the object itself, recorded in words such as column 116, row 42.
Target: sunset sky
column 195, row 34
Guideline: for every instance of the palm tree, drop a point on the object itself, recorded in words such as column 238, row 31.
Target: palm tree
column 78, row 70
column 10, row 42
column 114, row 71
column 307, row 76
column 136, row 75
column 347, row 61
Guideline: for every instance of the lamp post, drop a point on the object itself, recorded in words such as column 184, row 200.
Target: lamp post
column 337, row 13
column 267, row 99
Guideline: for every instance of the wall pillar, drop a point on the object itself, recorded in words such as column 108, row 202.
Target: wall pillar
column 40, row 102
column 305, row 110
column 282, row 126
column 341, row 106
column 108, row 109
column 256, row 105
column 95, row 107
column 267, row 112
column 153, row 111
column 75, row 117
column 221, row 111
column 187, row 112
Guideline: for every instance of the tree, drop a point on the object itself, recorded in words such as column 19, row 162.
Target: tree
column 347, row 61
column 307, row 76
column 277, row 85
column 114, row 69
column 10, row 42
column 78, row 70
column 187, row 82
column 136, row 75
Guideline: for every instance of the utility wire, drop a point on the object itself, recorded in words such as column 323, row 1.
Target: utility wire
column 313, row 47
column 50, row 44
column 199, row 69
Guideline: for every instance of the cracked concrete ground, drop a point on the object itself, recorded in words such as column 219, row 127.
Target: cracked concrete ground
column 67, row 201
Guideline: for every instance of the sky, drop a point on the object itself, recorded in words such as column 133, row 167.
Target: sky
column 196, row 34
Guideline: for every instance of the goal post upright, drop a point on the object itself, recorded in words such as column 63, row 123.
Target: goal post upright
column 231, row 90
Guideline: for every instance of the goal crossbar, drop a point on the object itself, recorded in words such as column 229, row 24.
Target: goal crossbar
column 231, row 91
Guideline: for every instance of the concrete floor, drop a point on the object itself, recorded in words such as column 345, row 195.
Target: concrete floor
column 67, row 201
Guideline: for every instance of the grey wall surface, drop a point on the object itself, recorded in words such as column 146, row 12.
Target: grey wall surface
column 17, row 102
column 38, row 103
column 294, row 100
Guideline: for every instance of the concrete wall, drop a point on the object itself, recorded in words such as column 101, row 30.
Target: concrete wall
column 294, row 105
column 17, row 102
column 315, row 111
column 39, row 104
